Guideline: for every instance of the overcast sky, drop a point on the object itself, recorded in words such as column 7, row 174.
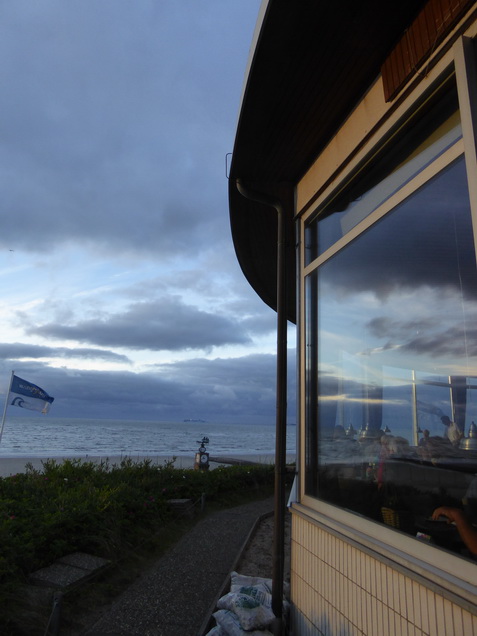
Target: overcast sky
column 121, row 293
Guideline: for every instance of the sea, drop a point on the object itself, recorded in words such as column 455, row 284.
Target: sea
column 45, row 436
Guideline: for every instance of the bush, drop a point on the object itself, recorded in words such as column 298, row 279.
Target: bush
column 101, row 509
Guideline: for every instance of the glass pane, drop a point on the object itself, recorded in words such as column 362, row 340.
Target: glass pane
column 422, row 143
column 395, row 352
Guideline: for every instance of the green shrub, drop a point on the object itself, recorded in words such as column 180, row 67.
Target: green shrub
column 77, row 505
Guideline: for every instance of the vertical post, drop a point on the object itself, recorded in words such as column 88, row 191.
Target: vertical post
column 6, row 404
column 415, row 422
column 281, row 421
column 55, row 619
column 281, row 402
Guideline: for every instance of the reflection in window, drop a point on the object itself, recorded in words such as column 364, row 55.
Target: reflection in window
column 423, row 142
column 392, row 361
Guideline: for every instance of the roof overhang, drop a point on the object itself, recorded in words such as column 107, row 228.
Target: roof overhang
column 310, row 65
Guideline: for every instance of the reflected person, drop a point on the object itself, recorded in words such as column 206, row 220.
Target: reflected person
column 467, row 532
column 463, row 519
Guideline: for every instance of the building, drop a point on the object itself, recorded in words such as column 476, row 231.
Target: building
column 353, row 205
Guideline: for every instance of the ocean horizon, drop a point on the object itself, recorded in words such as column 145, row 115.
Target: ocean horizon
column 70, row 437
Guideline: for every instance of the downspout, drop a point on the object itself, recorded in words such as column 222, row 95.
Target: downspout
column 281, row 405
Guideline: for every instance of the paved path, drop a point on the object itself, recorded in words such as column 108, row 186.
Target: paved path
column 176, row 594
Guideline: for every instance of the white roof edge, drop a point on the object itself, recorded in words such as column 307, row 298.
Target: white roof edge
column 253, row 45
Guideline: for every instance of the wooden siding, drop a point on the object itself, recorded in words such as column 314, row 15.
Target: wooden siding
column 432, row 24
column 338, row 589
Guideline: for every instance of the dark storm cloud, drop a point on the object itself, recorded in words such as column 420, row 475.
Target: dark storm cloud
column 234, row 387
column 166, row 324
column 454, row 343
column 385, row 327
column 425, row 242
column 221, row 390
column 427, row 337
column 255, row 371
column 256, row 317
column 224, row 286
column 116, row 118
column 102, row 394
column 16, row 351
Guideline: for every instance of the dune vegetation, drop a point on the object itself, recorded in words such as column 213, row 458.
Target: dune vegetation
column 102, row 509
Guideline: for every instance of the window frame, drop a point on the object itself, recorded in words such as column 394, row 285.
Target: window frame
column 455, row 576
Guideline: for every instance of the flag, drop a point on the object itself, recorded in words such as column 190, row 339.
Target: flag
column 28, row 396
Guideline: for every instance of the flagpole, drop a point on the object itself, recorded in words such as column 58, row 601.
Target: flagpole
column 6, row 404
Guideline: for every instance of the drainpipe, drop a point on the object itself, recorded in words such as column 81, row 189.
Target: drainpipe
column 281, row 406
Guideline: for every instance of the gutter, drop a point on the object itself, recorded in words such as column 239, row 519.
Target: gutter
column 281, row 404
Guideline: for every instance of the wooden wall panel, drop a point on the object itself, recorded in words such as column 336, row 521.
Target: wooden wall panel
column 432, row 24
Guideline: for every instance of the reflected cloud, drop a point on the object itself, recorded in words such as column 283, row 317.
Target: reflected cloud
column 351, row 399
column 427, row 242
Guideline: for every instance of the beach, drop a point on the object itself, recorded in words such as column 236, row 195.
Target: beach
column 12, row 465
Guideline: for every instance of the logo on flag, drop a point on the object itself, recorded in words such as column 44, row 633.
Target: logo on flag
column 29, row 396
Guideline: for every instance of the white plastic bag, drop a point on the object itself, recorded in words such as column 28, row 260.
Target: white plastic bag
column 257, row 592
column 241, row 580
column 230, row 624
column 249, row 611
column 216, row 631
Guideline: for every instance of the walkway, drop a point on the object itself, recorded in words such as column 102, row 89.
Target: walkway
column 175, row 596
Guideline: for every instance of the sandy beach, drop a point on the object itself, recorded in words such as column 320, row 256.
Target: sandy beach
column 13, row 465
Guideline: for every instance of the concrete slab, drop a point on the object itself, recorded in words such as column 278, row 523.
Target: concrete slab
column 84, row 561
column 182, row 507
column 69, row 571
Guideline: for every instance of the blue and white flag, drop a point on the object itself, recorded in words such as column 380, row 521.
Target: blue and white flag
column 28, row 396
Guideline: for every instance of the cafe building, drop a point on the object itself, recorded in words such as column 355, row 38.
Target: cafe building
column 353, row 206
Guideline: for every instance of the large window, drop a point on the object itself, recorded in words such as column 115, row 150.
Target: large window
column 391, row 338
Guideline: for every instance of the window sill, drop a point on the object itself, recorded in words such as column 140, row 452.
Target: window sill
column 454, row 579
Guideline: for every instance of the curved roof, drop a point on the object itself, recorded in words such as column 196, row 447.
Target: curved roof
column 311, row 64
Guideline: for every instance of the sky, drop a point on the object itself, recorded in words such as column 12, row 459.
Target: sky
column 121, row 293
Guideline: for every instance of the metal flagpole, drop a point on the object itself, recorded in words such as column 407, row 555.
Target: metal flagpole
column 6, row 404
